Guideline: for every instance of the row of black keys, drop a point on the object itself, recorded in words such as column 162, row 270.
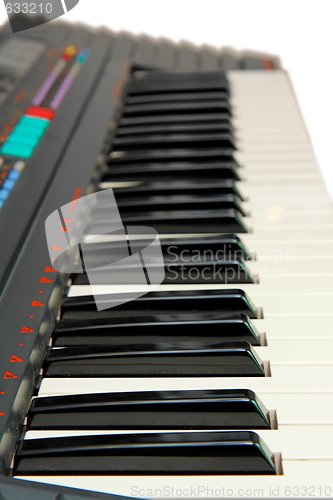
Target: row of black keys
column 233, row 452
column 186, row 333
column 193, row 260
column 180, row 333
column 170, row 136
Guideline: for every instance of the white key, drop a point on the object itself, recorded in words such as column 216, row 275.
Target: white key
column 284, row 379
column 295, row 327
column 286, row 298
column 292, row 265
column 286, row 192
column 294, row 352
column 302, row 248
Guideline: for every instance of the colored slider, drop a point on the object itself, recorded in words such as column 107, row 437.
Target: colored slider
column 28, row 132
column 37, row 112
column 54, row 74
column 69, row 52
column 69, row 79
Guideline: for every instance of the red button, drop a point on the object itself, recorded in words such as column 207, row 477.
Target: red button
column 46, row 113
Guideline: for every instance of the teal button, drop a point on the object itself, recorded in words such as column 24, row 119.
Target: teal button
column 34, row 123
column 17, row 150
column 29, row 131
column 22, row 139
column 81, row 59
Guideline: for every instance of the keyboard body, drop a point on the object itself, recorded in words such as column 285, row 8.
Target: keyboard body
column 284, row 221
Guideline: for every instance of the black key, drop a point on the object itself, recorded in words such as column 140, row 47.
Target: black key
column 182, row 76
column 208, row 187
column 228, row 452
column 194, row 260
column 204, row 140
column 178, row 108
column 204, row 273
column 199, row 156
column 181, row 86
column 214, row 251
column 171, row 202
column 180, row 221
column 193, row 249
column 179, row 272
column 179, row 76
column 182, row 119
column 170, row 359
column 177, row 83
column 187, row 328
column 167, row 129
column 158, row 410
column 176, row 97
column 171, row 171
column 205, row 248
column 225, row 302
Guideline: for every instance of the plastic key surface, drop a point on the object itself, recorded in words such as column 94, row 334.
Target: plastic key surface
column 169, row 359
column 186, row 327
column 161, row 453
column 189, row 409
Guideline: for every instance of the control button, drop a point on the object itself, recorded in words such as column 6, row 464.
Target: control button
column 22, row 139
column 17, row 150
column 70, row 50
column 34, row 123
column 38, row 112
column 19, row 166
column 14, row 175
column 4, row 194
column 8, row 184
column 24, row 129
column 82, row 57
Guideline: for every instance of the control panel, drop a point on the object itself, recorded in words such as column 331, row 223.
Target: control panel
column 22, row 135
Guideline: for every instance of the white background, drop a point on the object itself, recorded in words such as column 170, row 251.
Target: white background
column 299, row 31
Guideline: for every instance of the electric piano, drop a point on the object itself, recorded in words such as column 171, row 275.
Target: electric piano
column 218, row 382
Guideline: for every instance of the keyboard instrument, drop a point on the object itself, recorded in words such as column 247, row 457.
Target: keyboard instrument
column 218, row 382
